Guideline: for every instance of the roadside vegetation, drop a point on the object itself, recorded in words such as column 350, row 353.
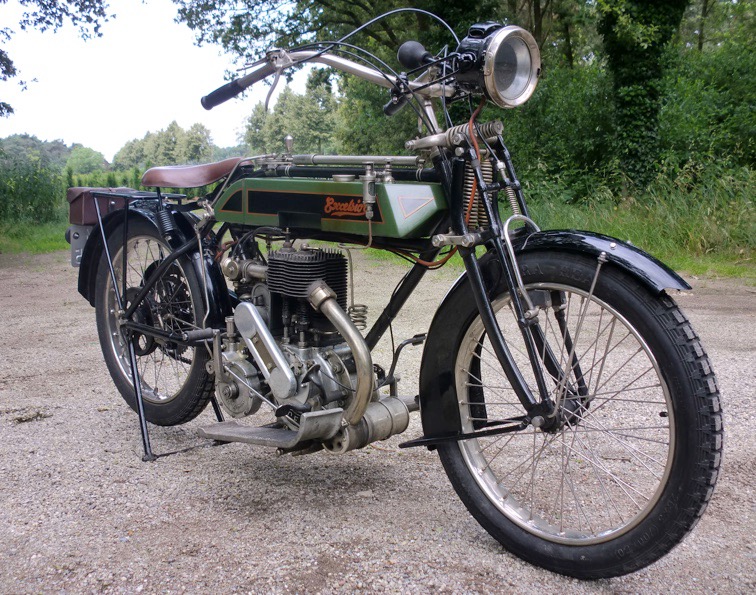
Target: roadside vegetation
column 642, row 126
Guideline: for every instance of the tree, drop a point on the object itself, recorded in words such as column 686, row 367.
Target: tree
column 130, row 155
column 84, row 160
column 221, row 153
column 46, row 15
column 195, row 145
column 171, row 146
column 254, row 135
column 247, row 28
column 309, row 118
column 636, row 33
column 709, row 23
column 362, row 127
column 162, row 147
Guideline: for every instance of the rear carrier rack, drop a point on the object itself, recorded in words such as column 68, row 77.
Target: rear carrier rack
column 83, row 212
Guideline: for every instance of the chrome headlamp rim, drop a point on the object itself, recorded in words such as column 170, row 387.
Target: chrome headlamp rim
column 498, row 38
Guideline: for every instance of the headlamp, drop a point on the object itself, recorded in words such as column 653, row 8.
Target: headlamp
column 502, row 62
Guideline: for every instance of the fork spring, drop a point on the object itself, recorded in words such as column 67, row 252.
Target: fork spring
column 478, row 217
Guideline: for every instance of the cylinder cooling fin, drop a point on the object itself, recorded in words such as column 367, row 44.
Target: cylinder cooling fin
column 290, row 272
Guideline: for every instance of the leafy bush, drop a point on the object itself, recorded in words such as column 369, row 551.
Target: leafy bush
column 565, row 131
column 31, row 188
column 694, row 211
column 709, row 110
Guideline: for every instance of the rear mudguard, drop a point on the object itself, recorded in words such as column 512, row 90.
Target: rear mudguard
column 438, row 403
column 220, row 304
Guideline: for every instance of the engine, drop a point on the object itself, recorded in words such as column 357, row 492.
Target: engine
column 290, row 275
column 299, row 351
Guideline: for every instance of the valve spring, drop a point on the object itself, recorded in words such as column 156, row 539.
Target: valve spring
column 304, row 314
column 478, row 217
column 358, row 313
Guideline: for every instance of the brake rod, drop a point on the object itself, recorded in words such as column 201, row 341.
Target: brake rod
column 504, row 429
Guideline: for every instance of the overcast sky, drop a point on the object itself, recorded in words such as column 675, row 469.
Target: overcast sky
column 144, row 72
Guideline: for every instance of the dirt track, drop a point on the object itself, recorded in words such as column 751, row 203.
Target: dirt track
column 81, row 513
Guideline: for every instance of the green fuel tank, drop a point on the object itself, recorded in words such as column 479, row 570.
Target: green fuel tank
column 402, row 210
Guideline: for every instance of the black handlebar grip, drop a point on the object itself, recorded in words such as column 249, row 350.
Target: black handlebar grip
column 396, row 103
column 221, row 94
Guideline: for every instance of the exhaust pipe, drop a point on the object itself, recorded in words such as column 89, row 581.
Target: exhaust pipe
column 323, row 299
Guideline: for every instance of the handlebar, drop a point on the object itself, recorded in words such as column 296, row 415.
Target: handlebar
column 395, row 104
column 280, row 60
column 236, row 86
column 221, row 94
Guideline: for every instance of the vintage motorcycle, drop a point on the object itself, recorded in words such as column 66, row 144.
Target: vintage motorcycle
column 570, row 401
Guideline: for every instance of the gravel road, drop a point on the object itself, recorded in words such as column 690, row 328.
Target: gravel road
column 80, row 512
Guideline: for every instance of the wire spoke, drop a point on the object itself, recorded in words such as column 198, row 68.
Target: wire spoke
column 168, row 306
column 603, row 463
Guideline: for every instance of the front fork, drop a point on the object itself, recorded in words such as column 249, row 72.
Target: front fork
column 540, row 407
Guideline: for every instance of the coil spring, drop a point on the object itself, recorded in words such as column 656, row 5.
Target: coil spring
column 513, row 201
column 478, row 217
column 165, row 222
column 358, row 313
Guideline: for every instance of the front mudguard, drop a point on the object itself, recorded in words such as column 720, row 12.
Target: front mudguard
column 438, row 404
column 653, row 273
column 205, row 267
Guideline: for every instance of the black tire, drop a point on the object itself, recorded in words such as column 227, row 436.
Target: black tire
column 175, row 383
column 633, row 466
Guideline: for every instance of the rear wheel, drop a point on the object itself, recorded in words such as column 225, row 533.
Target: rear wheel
column 627, row 465
column 175, row 383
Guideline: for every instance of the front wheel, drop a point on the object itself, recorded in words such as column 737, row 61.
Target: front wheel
column 627, row 464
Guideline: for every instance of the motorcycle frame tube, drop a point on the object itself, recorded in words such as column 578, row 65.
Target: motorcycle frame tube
column 399, row 298
column 315, row 171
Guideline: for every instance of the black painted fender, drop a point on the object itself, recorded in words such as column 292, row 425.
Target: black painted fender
column 220, row 303
column 90, row 256
column 656, row 275
column 438, row 405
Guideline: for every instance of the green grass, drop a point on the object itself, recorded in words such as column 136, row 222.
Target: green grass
column 32, row 238
column 693, row 239
column 699, row 219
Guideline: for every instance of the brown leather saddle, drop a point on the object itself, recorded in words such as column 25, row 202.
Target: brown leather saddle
column 188, row 176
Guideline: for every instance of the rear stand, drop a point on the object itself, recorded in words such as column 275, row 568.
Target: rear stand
column 120, row 301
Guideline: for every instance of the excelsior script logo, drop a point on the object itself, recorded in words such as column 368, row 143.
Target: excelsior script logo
column 335, row 207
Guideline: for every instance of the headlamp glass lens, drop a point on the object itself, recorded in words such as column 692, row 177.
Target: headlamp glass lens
column 512, row 68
